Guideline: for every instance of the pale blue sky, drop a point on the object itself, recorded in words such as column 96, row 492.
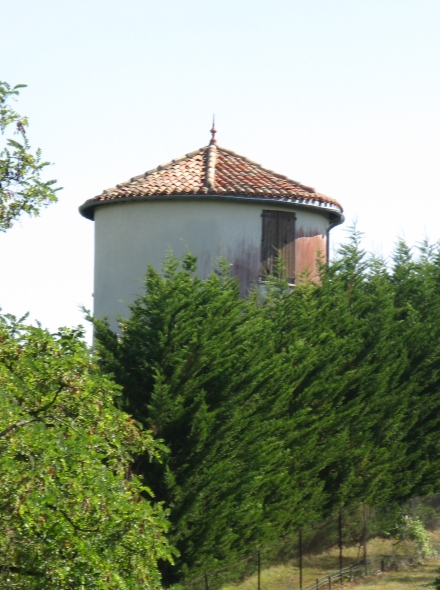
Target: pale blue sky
column 340, row 95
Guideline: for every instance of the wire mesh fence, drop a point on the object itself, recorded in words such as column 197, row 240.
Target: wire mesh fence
column 357, row 541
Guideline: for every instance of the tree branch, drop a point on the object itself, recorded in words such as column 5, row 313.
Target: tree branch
column 12, row 427
column 70, row 521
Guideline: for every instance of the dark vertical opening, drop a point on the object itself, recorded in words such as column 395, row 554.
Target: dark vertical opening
column 278, row 240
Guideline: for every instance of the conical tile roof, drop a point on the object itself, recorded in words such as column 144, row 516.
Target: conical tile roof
column 212, row 172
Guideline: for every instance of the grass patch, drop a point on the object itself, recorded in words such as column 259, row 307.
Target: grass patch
column 286, row 576
column 420, row 576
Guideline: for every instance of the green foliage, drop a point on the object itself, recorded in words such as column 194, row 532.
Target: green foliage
column 277, row 413
column 413, row 529
column 22, row 189
column 73, row 514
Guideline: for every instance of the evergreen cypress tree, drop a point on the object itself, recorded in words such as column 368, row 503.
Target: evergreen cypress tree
column 279, row 411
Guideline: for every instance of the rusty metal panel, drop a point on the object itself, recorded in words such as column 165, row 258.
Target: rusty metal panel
column 308, row 249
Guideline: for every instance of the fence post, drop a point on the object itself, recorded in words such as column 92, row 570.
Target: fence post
column 329, row 583
column 365, row 532
column 382, row 565
column 340, row 544
column 300, row 560
column 351, row 573
column 317, row 583
column 259, row 570
column 206, row 582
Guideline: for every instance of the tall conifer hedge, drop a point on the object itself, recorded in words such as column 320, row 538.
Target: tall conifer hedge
column 278, row 411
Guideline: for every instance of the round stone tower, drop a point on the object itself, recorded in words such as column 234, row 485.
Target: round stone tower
column 213, row 203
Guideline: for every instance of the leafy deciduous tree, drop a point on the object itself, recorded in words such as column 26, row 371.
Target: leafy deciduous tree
column 22, row 189
column 72, row 512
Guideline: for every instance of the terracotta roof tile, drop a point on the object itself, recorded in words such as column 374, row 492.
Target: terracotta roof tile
column 212, row 170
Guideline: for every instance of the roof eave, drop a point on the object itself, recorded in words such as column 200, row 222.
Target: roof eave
column 87, row 209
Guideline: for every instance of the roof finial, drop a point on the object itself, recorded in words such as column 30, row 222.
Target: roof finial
column 213, row 131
